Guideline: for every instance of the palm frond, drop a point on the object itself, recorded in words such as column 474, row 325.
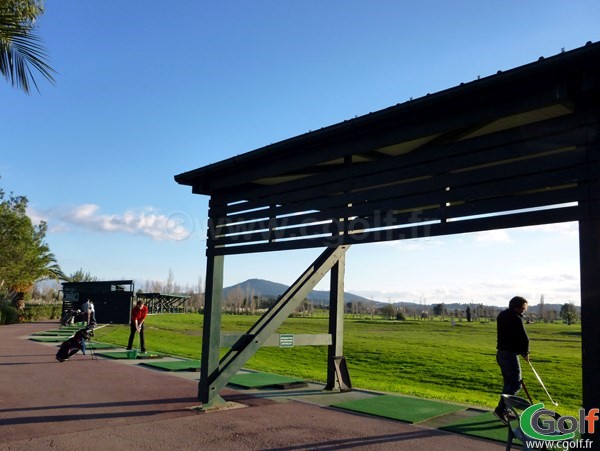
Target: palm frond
column 20, row 51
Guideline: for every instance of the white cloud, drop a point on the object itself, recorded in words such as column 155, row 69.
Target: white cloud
column 413, row 244
column 143, row 221
column 564, row 228
column 493, row 236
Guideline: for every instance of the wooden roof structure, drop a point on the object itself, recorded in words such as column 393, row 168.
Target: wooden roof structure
column 436, row 165
column 517, row 148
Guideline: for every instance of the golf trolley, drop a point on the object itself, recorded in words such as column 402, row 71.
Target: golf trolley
column 75, row 343
column 516, row 406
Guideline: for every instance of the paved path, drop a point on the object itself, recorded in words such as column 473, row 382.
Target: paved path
column 106, row 404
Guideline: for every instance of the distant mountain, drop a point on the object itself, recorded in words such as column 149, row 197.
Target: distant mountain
column 267, row 289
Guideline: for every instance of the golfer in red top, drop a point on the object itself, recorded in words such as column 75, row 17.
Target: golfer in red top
column 138, row 315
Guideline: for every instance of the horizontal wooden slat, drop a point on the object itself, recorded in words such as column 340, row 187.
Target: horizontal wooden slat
column 487, row 183
column 540, row 217
column 386, row 218
column 532, row 200
column 382, row 218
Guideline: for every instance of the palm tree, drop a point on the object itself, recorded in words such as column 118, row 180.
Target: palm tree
column 20, row 49
column 25, row 258
column 42, row 266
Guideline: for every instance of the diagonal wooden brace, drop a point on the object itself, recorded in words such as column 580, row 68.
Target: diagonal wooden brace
column 258, row 334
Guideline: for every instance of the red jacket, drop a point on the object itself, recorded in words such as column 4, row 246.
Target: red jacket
column 139, row 313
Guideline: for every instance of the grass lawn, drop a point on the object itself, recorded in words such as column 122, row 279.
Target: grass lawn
column 430, row 359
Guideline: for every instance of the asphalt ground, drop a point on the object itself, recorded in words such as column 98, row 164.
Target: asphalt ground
column 104, row 404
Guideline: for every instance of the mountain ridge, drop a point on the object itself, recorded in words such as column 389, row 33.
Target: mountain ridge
column 269, row 289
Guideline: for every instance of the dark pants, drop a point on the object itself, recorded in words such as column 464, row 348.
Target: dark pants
column 132, row 332
column 511, row 373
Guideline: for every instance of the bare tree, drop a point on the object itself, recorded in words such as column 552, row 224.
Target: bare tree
column 170, row 285
column 234, row 299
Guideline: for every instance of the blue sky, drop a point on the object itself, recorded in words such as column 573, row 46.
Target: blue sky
column 146, row 90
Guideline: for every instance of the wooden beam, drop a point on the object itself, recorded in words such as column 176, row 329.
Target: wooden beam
column 418, row 230
column 589, row 267
column 211, row 332
column 336, row 321
column 589, row 256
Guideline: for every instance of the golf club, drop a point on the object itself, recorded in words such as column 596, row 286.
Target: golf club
column 526, row 391
column 93, row 348
column 541, row 382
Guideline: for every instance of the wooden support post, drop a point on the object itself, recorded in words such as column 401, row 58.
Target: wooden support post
column 589, row 255
column 336, row 321
column 589, row 267
column 211, row 333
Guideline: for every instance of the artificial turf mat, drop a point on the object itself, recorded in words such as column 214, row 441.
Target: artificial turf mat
column 123, row 355
column 99, row 346
column 54, row 339
column 176, row 365
column 54, row 333
column 260, row 380
column 410, row 410
column 484, row 425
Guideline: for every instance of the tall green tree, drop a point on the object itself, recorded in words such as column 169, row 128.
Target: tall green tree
column 25, row 257
column 21, row 50
column 568, row 313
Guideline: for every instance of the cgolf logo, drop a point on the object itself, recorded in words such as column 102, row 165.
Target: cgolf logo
column 543, row 424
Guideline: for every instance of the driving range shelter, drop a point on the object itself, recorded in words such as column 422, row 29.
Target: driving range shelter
column 518, row 148
column 112, row 299
column 163, row 302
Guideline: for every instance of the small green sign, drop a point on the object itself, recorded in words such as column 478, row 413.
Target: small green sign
column 286, row 340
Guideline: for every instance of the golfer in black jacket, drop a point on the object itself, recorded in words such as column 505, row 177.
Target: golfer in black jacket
column 512, row 342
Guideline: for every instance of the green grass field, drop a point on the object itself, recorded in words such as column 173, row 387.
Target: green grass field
column 430, row 359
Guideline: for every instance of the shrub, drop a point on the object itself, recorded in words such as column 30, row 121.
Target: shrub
column 8, row 314
column 41, row 311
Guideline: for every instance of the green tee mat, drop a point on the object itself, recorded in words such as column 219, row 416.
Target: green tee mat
column 261, row 380
column 410, row 410
column 123, row 355
column 55, row 333
column 176, row 365
column 485, row 425
column 94, row 345
column 55, row 339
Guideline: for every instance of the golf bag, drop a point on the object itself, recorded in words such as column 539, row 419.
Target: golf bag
column 69, row 316
column 75, row 343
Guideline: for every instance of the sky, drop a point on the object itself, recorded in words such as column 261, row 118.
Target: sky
column 146, row 90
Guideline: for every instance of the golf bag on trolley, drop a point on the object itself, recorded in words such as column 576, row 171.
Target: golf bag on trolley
column 75, row 343
column 69, row 316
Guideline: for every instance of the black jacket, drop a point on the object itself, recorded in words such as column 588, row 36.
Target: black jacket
column 511, row 333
